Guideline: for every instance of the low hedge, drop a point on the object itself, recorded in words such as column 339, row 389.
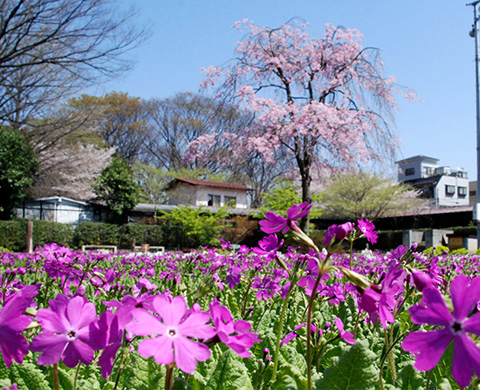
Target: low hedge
column 13, row 234
column 167, row 234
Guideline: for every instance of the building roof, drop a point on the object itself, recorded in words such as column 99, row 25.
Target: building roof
column 434, row 210
column 151, row 208
column 424, row 181
column 418, row 158
column 206, row 183
column 58, row 199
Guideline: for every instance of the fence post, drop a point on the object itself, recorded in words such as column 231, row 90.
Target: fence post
column 29, row 237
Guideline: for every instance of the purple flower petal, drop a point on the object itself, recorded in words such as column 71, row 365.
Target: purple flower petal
column 161, row 348
column 187, row 352
column 466, row 360
column 171, row 312
column 436, row 312
column 146, row 324
column 464, row 295
column 428, row 347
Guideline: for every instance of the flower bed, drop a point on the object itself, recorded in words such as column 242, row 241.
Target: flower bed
column 217, row 319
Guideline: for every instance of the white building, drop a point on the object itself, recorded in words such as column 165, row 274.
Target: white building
column 60, row 209
column 439, row 183
column 207, row 193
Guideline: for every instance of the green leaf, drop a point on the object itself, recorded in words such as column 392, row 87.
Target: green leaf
column 443, row 370
column 28, row 376
column 444, row 384
column 355, row 370
column 143, row 374
column 66, row 377
column 290, row 377
column 230, row 374
column 90, row 378
column 410, row 379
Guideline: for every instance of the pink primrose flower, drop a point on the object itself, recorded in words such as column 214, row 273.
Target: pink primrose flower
column 347, row 336
column 336, row 233
column 266, row 287
column 234, row 334
column 109, row 327
column 429, row 346
column 12, row 322
column 268, row 244
column 423, row 280
column 68, row 332
column 380, row 302
column 172, row 328
column 275, row 223
column 367, row 228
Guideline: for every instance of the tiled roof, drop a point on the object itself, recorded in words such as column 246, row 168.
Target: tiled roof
column 217, row 184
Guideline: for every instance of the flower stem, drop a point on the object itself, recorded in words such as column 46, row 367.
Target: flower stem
column 427, row 384
column 279, row 332
column 55, row 377
column 351, row 254
column 76, row 377
column 309, row 336
column 391, row 361
column 245, row 299
column 169, row 376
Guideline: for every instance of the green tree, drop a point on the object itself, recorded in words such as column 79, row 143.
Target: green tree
column 18, row 166
column 201, row 226
column 119, row 119
column 359, row 194
column 281, row 197
column 116, row 186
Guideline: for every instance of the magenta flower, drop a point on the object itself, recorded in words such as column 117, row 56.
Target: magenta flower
column 12, row 322
column 429, row 346
column 423, row 280
column 268, row 244
column 347, row 336
column 172, row 328
column 68, row 332
column 337, row 232
column 266, row 287
column 380, row 302
column 367, row 228
column 234, row 334
column 109, row 326
column 275, row 223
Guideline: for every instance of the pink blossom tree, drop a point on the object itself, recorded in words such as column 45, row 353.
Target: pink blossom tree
column 323, row 102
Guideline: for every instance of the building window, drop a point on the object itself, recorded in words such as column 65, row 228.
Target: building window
column 462, row 191
column 450, row 190
column 473, row 193
column 428, row 171
column 231, row 201
column 213, row 200
column 409, row 171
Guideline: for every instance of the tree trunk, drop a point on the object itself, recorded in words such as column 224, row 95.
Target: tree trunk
column 306, row 197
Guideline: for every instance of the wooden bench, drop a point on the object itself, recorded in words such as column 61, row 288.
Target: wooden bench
column 100, row 248
column 150, row 248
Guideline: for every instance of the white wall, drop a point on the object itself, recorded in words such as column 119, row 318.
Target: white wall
column 185, row 194
column 441, row 197
column 420, row 168
column 203, row 192
column 63, row 211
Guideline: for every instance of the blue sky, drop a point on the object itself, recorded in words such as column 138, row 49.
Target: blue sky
column 423, row 43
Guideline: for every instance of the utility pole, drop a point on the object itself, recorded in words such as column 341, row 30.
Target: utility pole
column 474, row 34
